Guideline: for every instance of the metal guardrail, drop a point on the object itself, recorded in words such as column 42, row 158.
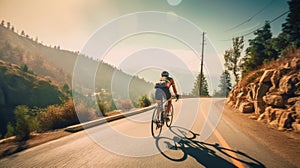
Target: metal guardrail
column 89, row 124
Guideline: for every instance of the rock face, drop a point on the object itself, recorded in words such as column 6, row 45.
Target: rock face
column 271, row 94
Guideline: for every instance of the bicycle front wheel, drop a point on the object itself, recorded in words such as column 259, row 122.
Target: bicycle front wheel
column 170, row 116
column 156, row 126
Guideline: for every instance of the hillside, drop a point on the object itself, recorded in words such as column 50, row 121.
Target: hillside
column 58, row 64
column 18, row 87
column 272, row 93
column 33, row 74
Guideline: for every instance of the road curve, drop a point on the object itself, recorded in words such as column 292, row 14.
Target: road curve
column 201, row 136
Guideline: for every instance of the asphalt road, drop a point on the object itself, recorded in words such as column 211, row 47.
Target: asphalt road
column 201, row 136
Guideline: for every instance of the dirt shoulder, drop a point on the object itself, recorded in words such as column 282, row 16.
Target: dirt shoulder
column 9, row 146
column 284, row 143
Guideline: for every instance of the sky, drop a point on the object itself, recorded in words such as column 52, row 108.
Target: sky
column 71, row 24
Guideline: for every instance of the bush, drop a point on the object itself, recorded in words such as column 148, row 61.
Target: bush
column 103, row 108
column 85, row 113
column 144, row 101
column 22, row 129
column 58, row 116
column 10, row 130
column 125, row 104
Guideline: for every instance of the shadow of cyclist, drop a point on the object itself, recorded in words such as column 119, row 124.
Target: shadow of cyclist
column 185, row 143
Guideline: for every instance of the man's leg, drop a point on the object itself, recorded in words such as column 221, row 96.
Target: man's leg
column 169, row 105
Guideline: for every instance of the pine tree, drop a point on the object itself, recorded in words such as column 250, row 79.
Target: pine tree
column 204, row 87
column 291, row 28
column 260, row 50
column 225, row 84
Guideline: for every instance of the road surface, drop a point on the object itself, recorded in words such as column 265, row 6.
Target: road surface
column 201, row 136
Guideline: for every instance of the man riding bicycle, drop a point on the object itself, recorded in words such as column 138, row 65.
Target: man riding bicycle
column 163, row 91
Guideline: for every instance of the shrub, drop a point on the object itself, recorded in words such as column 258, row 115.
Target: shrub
column 22, row 129
column 57, row 116
column 10, row 130
column 144, row 101
column 103, row 106
column 85, row 113
column 125, row 104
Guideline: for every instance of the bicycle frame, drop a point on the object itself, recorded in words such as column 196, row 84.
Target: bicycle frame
column 158, row 119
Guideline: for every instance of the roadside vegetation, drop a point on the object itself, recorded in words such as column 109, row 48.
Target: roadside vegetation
column 35, row 92
column 246, row 64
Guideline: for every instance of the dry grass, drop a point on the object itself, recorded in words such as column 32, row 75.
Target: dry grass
column 253, row 75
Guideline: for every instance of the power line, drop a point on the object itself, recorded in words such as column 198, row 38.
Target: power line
column 249, row 19
column 269, row 22
column 273, row 20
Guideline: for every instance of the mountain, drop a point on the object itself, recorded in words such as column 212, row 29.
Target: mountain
column 58, row 65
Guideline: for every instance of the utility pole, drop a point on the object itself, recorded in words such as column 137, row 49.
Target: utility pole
column 201, row 70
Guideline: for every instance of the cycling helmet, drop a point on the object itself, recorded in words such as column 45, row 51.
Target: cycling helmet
column 165, row 74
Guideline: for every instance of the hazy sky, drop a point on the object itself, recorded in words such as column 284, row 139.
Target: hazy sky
column 71, row 23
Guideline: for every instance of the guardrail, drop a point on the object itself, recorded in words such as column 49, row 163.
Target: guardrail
column 89, row 124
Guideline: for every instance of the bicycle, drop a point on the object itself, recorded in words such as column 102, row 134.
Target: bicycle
column 158, row 119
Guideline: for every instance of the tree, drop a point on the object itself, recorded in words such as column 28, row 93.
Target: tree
column 260, row 50
column 225, row 84
column 22, row 33
column 291, row 28
column 22, row 129
column 8, row 25
column 24, row 68
column 66, row 89
column 2, row 23
column 204, row 87
column 233, row 57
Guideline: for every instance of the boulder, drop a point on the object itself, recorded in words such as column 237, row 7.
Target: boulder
column 296, row 125
column 273, row 114
column 295, row 63
column 239, row 99
column 286, row 119
column 266, row 77
column 274, row 100
column 252, row 87
column 293, row 100
column 297, row 107
column 288, row 84
column 275, row 80
column 259, row 104
column 246, row 107
column 297, row 89
column 280, row 118
column 259, row 107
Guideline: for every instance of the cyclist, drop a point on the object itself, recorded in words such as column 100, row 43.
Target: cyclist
column 163, row 91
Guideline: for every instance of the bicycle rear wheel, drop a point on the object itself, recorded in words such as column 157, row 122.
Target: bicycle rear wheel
column 156, row 125
column 170, row 116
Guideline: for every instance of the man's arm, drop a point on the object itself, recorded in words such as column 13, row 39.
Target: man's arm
column 174, row 88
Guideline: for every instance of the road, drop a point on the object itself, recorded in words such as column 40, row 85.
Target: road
column 201, row 136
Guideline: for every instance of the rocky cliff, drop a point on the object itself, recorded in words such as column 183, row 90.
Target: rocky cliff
column 272, row 93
